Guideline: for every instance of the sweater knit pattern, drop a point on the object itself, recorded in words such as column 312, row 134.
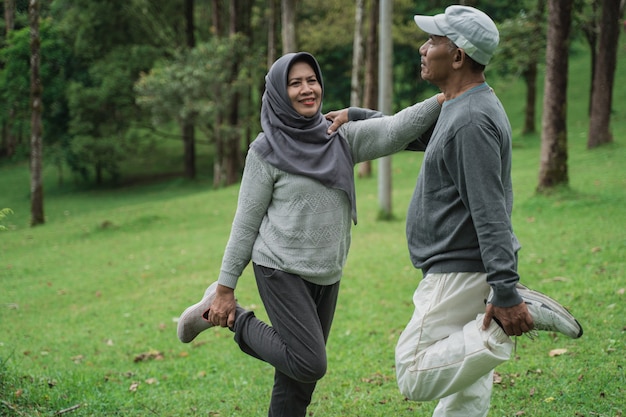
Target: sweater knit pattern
column 295, row 223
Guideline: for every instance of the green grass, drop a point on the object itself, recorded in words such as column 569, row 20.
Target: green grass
column 88, row 301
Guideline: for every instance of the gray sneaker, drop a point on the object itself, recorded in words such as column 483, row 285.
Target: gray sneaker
column 193, row 321
column 548, row 314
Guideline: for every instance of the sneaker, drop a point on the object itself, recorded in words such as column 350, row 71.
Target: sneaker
column 194, row 319
column 548, row 314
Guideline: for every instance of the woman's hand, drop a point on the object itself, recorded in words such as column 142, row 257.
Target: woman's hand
column 222, row 311
column 338, row 117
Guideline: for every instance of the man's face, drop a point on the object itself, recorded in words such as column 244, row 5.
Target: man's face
column 437, row 58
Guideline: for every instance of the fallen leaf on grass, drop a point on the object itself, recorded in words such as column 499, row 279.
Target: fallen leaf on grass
column 557, row 352
column 152, row 354
column 621, row 291
column 133, row 387
column 497, row 378
column 376, row 379
column 151, row 381
column 520, row 413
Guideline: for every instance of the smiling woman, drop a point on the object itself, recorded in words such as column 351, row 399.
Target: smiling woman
column 304, row 89
column 293, row 221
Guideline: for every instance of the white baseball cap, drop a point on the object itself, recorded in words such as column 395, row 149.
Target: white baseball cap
column 469, row 29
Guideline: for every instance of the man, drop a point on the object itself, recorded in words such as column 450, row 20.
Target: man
column 459, row 232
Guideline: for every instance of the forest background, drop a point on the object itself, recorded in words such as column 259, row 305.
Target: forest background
column 119, row 80
column 135, row 229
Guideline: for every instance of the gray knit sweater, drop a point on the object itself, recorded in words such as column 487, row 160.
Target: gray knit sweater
column 296, row 224
column 459, row 218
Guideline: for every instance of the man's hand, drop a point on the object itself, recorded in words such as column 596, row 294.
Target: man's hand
column 222, row 311
column 514, row 320
column 338, row 117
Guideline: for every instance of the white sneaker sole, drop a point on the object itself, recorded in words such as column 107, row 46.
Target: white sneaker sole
column 555, row 317
column 191, row 323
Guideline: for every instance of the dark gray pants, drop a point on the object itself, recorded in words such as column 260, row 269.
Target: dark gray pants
column 301, row 314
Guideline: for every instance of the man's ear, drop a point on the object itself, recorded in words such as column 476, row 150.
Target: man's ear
column 459, row 58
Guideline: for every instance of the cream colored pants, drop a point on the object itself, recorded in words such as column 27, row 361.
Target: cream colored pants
column 443, row 353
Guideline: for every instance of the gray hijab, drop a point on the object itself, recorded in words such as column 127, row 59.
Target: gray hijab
column 297, row 144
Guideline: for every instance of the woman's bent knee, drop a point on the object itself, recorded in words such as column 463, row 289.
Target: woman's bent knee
column 310, row 372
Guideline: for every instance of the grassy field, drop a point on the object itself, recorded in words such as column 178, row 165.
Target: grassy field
column 89, row 301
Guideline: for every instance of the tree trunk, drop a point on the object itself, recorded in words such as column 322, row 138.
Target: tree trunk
column 8, row 137
column 188, row 127
column 9, row 16
column 240, row 22
column 216, row 20
column 530, row 73
column 553, row 163
column 289, row 26
column 189, row 148
column 232, row 145
column 530, row 76
column 604, row 75
column 271, row 32
column 218, row 171
column 385, row 100
column 357, row 55
column 36, row 157
column 370, row 92
column 591, row 33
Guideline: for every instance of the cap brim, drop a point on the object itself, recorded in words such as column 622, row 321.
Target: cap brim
column 428, row 25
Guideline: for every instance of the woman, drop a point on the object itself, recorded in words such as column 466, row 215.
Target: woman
column 296, row 203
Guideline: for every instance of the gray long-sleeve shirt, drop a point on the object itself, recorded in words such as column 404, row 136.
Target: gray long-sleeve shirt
column 296, row 224
column 459, row 218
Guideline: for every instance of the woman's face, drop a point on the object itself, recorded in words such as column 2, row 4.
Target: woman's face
column 304, row 89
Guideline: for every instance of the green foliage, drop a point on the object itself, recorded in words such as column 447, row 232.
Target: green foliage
column 15, row 79
column 97, row 106
column 199, row 85
column 522, row 43
column 103, row 109
column 3, row 214
column 21, row 14
column 100, row 93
